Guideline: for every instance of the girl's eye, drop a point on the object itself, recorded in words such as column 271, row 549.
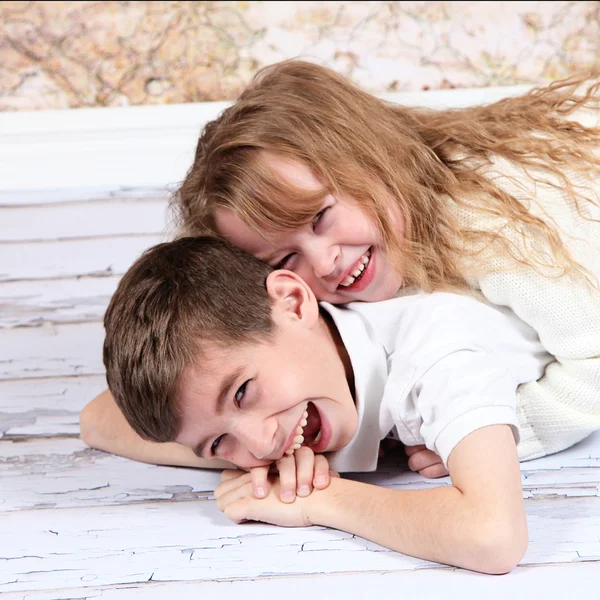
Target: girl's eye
column 284, row 261
column 239, row 395
column 319, row 216
column 215, row 445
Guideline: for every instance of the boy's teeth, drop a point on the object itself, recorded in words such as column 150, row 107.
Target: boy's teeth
column 298, row 438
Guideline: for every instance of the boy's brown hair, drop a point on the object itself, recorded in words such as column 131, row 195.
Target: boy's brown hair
column 174, row 297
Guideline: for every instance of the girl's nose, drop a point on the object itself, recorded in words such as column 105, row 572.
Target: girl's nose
column 323, row 259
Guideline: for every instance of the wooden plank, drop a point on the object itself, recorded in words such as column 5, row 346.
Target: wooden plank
column 64, row 473
column 35, row 302
column 72, row 258
column 27, row 197
column 576, row 580
column 82, row 220
column 575, row 471
column 51, row 351
column 190, row 541
column 46, row 406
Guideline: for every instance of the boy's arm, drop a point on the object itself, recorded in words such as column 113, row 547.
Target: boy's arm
column 104, row 427
column 477, row 523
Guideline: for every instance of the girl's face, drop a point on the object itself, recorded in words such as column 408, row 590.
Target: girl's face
column 339, row 254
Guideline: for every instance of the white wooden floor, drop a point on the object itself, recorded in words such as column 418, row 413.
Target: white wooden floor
column 78, row 523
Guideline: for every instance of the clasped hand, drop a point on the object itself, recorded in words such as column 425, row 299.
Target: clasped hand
column 277, row 494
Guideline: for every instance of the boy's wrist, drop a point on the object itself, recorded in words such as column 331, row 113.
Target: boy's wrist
column 321, row 505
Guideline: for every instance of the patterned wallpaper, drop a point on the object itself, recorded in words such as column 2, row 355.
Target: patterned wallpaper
column 76, row 54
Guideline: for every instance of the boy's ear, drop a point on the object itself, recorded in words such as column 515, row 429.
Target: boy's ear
column 292, row 297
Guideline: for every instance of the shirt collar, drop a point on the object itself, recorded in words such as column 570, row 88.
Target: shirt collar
column 369, row 363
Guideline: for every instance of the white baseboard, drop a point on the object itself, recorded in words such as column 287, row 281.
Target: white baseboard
column 140, row 146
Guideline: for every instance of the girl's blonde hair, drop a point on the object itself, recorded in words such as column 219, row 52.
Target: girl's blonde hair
column 377, row 152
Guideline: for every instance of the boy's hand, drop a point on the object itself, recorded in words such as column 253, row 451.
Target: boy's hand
column 426, row 462
column 298, row 475
column 235, row 498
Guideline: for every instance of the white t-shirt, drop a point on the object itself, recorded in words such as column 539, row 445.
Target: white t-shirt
column 431, row 369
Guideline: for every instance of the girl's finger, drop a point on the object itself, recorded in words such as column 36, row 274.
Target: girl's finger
column 422, row 460
column 434, row 471
column 410, row 450
column 321, row 472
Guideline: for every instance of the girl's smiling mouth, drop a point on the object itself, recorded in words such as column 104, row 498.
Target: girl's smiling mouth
column 361, row 274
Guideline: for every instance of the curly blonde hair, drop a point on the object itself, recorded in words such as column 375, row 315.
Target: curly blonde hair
column 377, row 152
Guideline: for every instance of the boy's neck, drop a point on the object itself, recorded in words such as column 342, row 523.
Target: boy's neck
column 334, row 336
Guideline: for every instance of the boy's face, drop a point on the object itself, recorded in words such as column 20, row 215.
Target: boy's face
column 244, row 404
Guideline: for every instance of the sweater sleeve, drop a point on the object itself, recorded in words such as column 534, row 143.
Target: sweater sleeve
column 563, row 406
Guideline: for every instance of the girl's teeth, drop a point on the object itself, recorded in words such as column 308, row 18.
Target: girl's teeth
column 299, row 430
column 318, row 438
column 362, row 265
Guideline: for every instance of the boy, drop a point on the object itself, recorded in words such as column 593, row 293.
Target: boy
column 209, row 347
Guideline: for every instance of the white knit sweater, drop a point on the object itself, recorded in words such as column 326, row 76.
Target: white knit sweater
column 563, row 406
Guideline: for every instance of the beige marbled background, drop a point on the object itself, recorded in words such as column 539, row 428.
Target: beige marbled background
column 75, row 54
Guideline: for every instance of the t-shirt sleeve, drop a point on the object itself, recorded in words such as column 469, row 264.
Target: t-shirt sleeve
column 462, row 392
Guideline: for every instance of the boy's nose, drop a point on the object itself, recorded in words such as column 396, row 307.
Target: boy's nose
column 258, row 436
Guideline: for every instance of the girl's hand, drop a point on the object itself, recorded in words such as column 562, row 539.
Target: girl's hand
column 235, row 498
column 426, row 462
column 299, row 474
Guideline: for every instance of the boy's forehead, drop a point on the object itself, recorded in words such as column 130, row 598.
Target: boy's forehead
column 216, row 360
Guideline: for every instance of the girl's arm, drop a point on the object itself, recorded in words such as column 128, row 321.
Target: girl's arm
column 477, row 523
column 104, row 427
column 563, row 406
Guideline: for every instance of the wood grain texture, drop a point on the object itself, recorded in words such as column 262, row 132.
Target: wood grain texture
column 74, row 300
column 44, row 472
column 51, row 351
column 79, row 523
column 47, row 407
column 557, row 582
column 90, row 257
column 85, row 219
column 186, row 541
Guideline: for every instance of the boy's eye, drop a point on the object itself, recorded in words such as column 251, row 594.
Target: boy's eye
column 215, row 445
column 239, row 395
column 284, row 261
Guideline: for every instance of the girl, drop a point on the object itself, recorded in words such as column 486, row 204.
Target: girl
column 365, row 199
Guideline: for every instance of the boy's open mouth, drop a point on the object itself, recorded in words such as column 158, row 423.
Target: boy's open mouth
column 312, row 431
column 308, row 432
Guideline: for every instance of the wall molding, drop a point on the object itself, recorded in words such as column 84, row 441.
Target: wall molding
column 118, row 148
